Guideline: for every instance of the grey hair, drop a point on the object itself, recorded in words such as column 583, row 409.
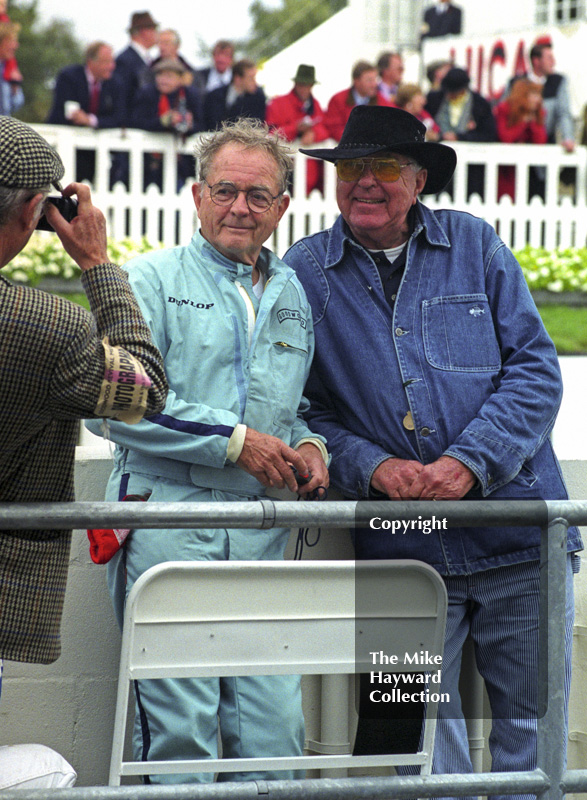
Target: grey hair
column 12, row 201
column 251, row 134
column 175, row 34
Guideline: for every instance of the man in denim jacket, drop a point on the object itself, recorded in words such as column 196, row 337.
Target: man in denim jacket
column 434, row 378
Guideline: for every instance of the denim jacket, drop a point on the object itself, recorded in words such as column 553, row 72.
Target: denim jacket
column 463, row 350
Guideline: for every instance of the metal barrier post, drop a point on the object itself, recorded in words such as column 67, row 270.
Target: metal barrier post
column 551, row 665
column 473, row 705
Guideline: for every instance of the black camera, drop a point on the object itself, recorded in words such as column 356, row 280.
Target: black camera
column 66, row 206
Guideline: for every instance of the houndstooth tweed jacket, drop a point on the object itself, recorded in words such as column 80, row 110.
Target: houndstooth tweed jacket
column 52, row 366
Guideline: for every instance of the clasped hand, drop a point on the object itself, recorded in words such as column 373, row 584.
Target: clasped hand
column 269, row 460
column 402, row 479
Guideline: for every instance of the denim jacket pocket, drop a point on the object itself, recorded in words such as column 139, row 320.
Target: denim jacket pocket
column 526, row 477
column 459, row 335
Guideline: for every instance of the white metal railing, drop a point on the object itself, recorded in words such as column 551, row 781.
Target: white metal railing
column 550, row 780
column 168, row 215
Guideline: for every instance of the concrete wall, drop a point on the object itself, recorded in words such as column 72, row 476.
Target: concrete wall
column 70, row 704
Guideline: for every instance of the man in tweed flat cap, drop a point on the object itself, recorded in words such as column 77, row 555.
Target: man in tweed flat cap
column 58, row 363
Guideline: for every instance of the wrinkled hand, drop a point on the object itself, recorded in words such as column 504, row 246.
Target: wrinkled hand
column 177, row 117
column 80, row 117
column 395, row 476
column 268, row 459
column 444, row 479
column 84, row 238
column 313, row 458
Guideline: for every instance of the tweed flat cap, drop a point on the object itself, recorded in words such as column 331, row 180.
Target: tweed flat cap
column 27, row 161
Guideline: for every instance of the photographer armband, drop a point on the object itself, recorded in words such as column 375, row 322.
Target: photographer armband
column 125, row 387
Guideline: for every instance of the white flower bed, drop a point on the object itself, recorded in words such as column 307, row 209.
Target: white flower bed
column 553, row 271
column 44, row 257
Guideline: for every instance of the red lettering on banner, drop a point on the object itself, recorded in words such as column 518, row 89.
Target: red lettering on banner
column 498, row 57
column 491, row 62
column 468, row 58
column 520, row 65
column 480, row 58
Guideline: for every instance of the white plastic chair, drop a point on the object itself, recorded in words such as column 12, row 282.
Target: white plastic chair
column 194, row 619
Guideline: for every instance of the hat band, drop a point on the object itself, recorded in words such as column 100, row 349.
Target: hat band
column 383, row 145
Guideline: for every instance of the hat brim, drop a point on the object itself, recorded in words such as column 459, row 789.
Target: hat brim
column 438, row 159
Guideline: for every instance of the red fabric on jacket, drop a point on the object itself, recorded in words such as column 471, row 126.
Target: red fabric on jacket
column 283, row 114
column 11, row 64
column 339, row 110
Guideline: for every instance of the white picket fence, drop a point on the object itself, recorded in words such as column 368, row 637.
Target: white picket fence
column 169, row 216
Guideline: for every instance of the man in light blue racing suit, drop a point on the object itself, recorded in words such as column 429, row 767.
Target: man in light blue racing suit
column 235, row 330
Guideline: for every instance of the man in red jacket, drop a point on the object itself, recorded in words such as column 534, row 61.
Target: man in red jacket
column 362, row 92
column 299, row 116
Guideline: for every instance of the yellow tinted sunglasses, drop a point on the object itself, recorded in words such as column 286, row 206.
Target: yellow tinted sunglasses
column 387, row 169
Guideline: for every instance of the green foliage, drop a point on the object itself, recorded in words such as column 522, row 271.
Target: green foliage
column 554, row 270
column 44, row 50
column 44, row 257
column 273, row 29
column 567, row 328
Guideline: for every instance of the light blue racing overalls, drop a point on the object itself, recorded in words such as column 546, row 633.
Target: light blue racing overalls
column 229, row 359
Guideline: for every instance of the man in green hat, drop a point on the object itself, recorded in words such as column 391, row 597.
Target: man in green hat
column 299, row 117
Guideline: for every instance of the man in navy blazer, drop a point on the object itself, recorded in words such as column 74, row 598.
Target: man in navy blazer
column 443, row 19
column 132, row 64
column 85, row 94
column 243, row 97
column 220, row 72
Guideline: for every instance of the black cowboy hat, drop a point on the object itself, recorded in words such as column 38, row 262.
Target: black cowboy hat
column 375, row 129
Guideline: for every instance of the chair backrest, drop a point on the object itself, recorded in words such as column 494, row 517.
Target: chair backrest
column 193, row 619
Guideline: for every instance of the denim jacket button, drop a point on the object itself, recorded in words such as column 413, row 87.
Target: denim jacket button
column 399, row 331
column 425, row 431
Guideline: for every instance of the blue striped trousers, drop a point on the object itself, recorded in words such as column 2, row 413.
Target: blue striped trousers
column 498, row 608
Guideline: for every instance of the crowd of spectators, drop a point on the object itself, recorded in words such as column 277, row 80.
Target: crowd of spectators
column 166, row 93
